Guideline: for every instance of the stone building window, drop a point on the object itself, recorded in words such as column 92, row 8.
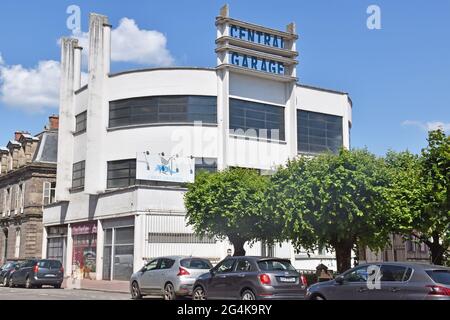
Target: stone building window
column 17, row 246
column 78, row 175
column 81, row 122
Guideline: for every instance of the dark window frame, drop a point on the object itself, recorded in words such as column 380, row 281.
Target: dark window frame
column 248, row 115
column 128, row 165
column 81, row 122
column 78, row 182
column 319, row 132
column 156, row 110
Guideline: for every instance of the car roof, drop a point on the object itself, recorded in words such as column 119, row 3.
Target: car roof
column 179, row 257
column 258, row 258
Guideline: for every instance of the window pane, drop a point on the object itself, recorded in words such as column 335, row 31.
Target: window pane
column 257, row 119
column 392, row 273
column 317, row 132
column 124, row 236
column 165, row 109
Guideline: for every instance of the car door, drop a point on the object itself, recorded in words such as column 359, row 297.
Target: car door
column 219, row 284
column 161, row 274
column 241, row 277
column 355, row 285
column 392, row 282
column 148, row 277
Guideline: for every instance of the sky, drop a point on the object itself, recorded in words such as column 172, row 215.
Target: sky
column 398, row 77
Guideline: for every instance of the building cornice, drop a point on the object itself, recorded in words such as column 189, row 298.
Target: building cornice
column 29, row 168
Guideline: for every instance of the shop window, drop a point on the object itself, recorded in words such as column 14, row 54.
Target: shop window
column 78, row 175
column 205, row 164
column 118, row 253
column 84, row 254
column 318, row 132
column 163, row 109
column 257, row 120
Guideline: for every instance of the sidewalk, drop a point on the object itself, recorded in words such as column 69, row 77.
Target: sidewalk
column 101, row 285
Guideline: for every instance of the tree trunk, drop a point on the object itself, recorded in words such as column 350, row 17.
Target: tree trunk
column 343, row 255
column 238, row 244
column 437, row 251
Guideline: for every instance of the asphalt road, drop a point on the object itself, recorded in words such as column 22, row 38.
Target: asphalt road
column 48, row 293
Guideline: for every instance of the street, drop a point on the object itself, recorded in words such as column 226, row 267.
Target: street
column 49, row 293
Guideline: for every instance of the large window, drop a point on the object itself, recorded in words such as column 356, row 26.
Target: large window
column 267, row 120
column 121, row 174
column 163, row 109
column 78, row 175
column 318, row 132
column 205, row 164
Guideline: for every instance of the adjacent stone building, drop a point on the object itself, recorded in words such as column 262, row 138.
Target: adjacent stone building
column 27, row 183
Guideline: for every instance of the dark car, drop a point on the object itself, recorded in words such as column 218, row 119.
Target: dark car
column 386, row 281
column 5, row 272
column 36, row 273
column 251, row 278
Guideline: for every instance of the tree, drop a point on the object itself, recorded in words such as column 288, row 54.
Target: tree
column 420, row 194
column 434, row 221
column 228, row 204
column 333, row 201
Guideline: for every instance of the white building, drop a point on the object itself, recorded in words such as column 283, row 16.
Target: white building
column 107, row 219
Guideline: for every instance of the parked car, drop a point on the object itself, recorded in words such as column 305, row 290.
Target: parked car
column 386, row 281
column 36, row 273
column 6, row 270
column 168, row 277
column 251, row 278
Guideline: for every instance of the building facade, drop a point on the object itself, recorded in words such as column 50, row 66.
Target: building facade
column 27, row 183
column 112, row 211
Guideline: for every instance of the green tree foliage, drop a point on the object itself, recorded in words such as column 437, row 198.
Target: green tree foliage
column 333, row 201
column 228, row 204
column 420, row 194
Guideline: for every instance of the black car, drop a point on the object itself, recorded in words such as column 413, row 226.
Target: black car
column 36, row 273
column 251, row 278
column 6, row 270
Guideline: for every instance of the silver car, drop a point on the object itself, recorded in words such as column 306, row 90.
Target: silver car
column 386, row 281
column 168, row 277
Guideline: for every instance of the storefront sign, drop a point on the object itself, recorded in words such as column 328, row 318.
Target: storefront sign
column 257, row 64
column 84, row 228
column 257, row 37
column 166, row 168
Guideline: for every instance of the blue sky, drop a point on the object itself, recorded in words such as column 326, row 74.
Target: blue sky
column 398, row 77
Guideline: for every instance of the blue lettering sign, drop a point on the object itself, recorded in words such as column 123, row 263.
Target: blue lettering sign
column 241, row 33
column 257, row 64
column 258, row 37
column 233, row 30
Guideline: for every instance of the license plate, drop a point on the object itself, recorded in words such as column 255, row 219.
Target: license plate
column 290, row 280
column 50, row 275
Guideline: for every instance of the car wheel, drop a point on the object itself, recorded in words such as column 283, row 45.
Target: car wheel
column 11, row 283
column 135, row 291
column 248, row 295
column 169, row 292
column 199, row 294
column 317, row 297
column 28, row 284
column 57, row 286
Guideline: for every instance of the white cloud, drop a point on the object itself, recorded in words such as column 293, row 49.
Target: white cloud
column 134, row 45
column 1, row 59
column 428, row 126
column 31, row 89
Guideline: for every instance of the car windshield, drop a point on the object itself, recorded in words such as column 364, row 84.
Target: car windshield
column 440, row 276
column 275, row 265
column 196, row 264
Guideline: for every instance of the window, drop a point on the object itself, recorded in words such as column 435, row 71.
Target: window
column 318, row 132
column 440, row 276
column 81, row 122
column 166, row 263
column 17, row 246
column 121, row 174
column 50, row 264
column 151, row 265
column 243, row 265
column 163, row 109
column 78, row 175
column 390, row 273
column 22, row 197
column 49, row 193
column 205, row 164
column 278, row 265
column 357, row 275
column 226, row 266
column 178, row 238
column 8, row 201
column 195, row 263
column 267, row 120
